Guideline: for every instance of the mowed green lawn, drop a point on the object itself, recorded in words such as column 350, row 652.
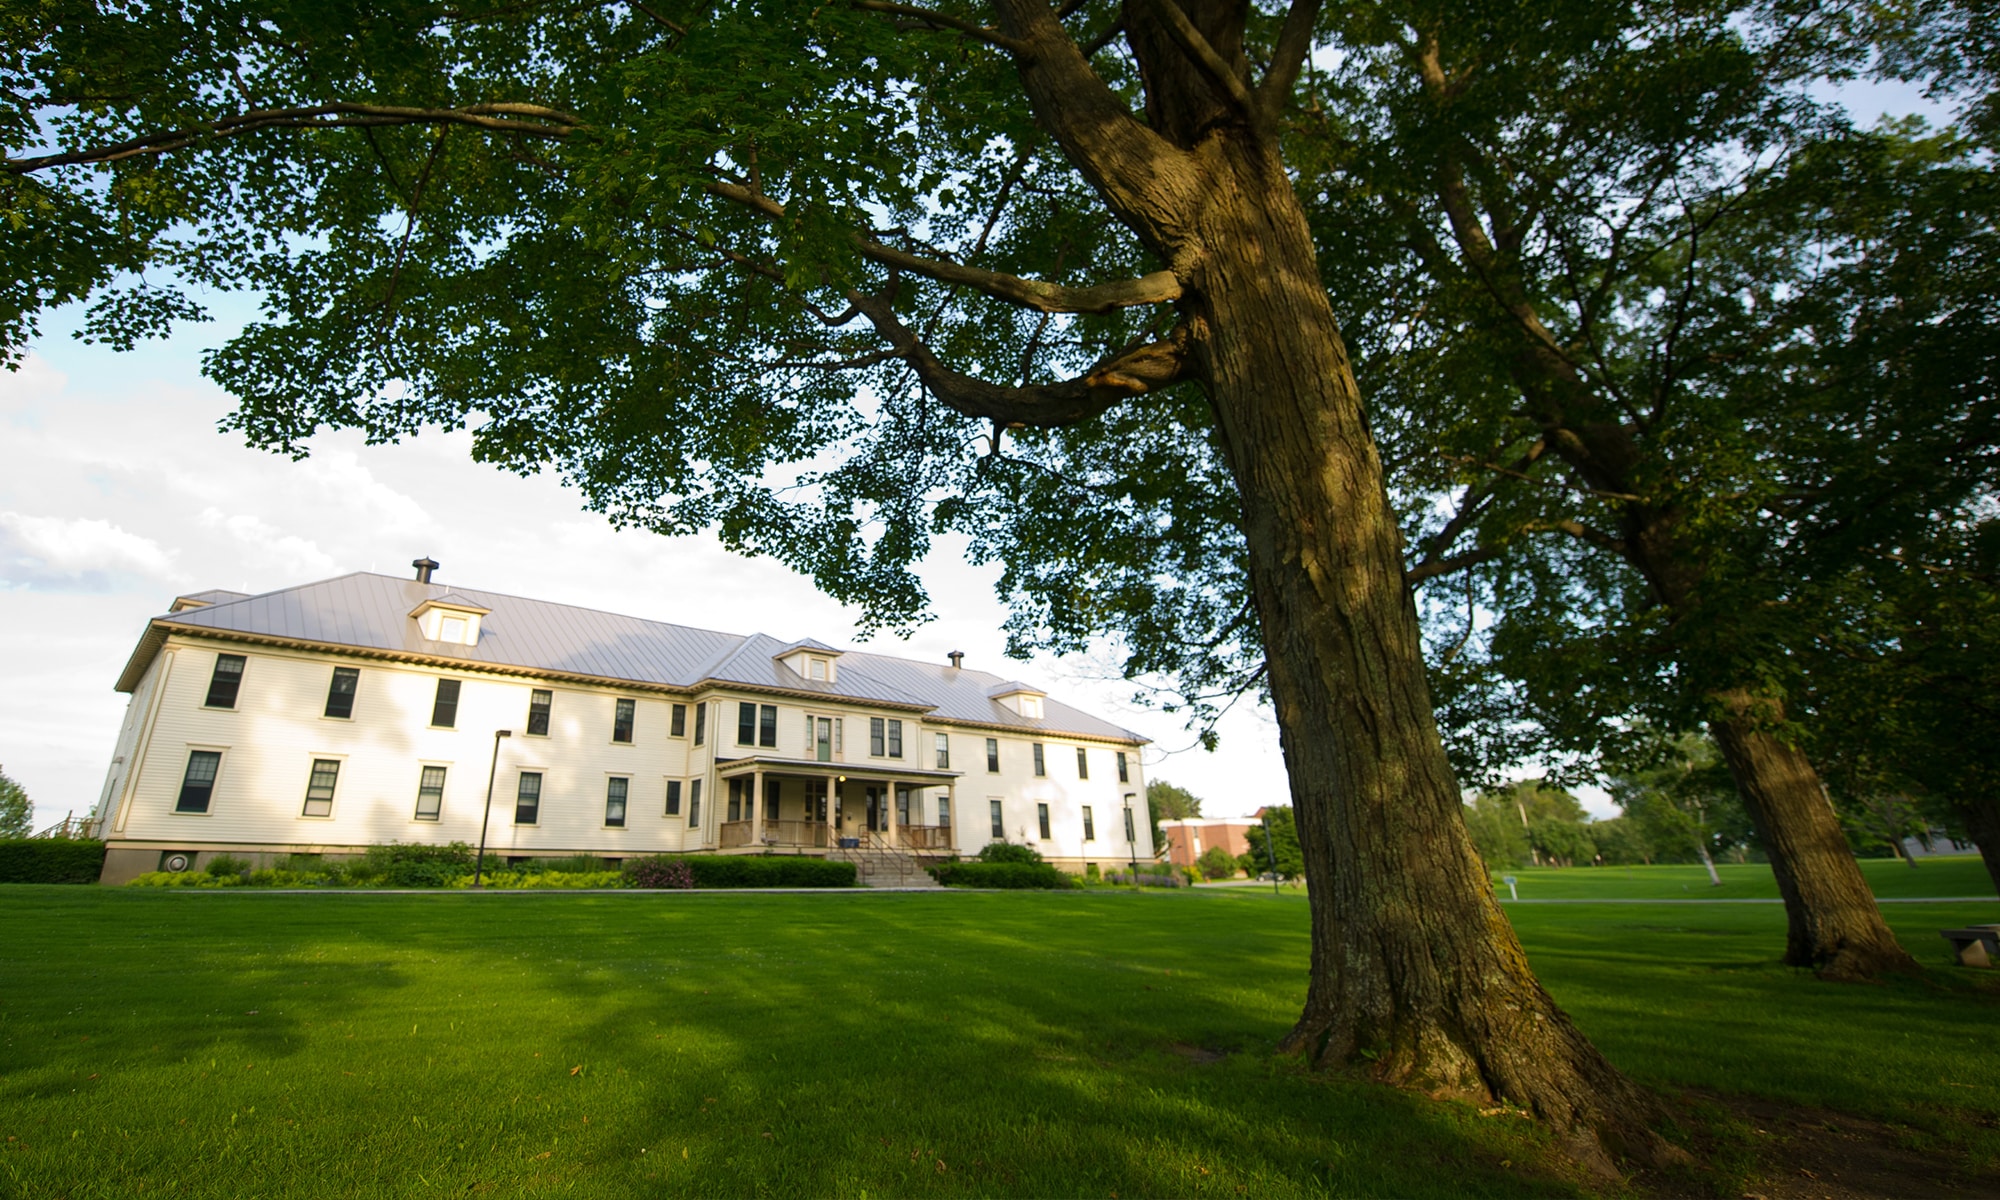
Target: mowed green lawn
column 1891, row 879
column 234, row 1044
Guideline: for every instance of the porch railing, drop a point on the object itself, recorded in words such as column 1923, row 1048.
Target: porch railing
column 924, row 837
column 773, row 833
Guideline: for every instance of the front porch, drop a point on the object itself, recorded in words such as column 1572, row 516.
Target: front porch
column 799, row 805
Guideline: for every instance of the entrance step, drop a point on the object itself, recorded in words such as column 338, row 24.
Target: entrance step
column 884, row 868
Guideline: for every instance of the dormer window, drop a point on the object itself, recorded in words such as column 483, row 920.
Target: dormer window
column 450, row 618
column 811, row 660
column 1023, row 699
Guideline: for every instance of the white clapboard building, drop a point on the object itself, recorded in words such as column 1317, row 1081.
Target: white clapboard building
column 367, row 709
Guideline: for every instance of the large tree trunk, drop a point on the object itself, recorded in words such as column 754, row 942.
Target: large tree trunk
column 1982, row 822
column 1833, row 924
column 1416, row 975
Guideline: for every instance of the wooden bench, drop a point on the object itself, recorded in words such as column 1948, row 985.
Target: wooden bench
column 1975, row 945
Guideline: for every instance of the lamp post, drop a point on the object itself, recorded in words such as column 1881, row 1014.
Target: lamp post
column 479, row 865
column 1132, row 839
column 1265, row 817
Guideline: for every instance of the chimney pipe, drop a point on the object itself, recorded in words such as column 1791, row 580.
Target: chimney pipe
column 957, row 658
column 424, row 568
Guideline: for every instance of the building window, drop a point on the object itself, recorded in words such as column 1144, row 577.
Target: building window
column 774, row 799
column 198, row 785
column 319, row 789
column 746, row 724
column 528, row 799
column 944, row 811
column 816, row 800
column 999, row 820
column 736, row 789
column 1031, row 707
column 1041, row 763
column 673, row 797
column 539, row 702
column 767, row 725
column 615, row 791
column 694, row 803
column 452, row 629
column 226, row 682
column 700, row 723
column 621, row 720
column 993, row 755
column 1082, row 763
column 678, row 725
column 902, row 805
column 818, row 668
column 943, row 751
column 1089, row 825
column 444, row 710
column 1042, row 819
column 340, row 693
column 1121, row 768
column 430, row 793
column 877, row 737
column 895, row 738
column 1129, row 835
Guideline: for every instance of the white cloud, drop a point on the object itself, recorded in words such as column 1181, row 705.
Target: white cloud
column 76, row 552
column 274, row 552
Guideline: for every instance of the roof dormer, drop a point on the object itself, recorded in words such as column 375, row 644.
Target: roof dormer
column 1019, row 697
column 449, row 618
column 813, row 661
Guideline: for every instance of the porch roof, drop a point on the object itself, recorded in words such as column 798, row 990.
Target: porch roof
column 812, row 766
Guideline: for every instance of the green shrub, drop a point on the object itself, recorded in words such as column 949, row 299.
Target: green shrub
column 742, row 871
column 1011, row 875
column 599, row 878
column 1007, row 852
column 575, row 864
column 1091, row 874
column 227, row 864
column 50, row 860
column 1216, row 863
column 409, row 864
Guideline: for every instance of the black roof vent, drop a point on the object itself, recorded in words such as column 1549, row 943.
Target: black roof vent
column 424, row 568
column 957, row 658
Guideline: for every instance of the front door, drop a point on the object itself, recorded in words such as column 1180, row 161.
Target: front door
column 874, row 809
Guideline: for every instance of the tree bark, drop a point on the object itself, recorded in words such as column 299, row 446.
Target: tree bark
column 1833, row 924
column 1417, row 977
column 1982, row 823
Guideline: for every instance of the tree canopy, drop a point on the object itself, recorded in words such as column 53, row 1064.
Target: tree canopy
column 837, row 278
column 17, row 812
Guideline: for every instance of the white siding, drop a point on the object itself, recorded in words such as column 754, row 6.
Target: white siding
column 270, row 740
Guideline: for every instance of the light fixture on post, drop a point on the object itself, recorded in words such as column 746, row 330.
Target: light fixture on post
column 1264, row 815
column 1132, row 839
column 479, row 864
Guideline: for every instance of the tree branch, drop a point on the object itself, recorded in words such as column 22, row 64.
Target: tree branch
column 1159, row 287
column 1435, row 567
column 938, row 20
column 1144, row 179
column 1205, row 56
column 1289, row 56
column 548, row 123
column 1134, row 371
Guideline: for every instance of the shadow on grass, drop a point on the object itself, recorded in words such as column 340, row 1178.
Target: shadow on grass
column 919, row 1045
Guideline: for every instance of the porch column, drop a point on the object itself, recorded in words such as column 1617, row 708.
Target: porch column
column 890, row 819
column 755, row 806
column 951, row 798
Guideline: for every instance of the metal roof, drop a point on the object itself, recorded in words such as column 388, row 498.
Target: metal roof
column 368, row 612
